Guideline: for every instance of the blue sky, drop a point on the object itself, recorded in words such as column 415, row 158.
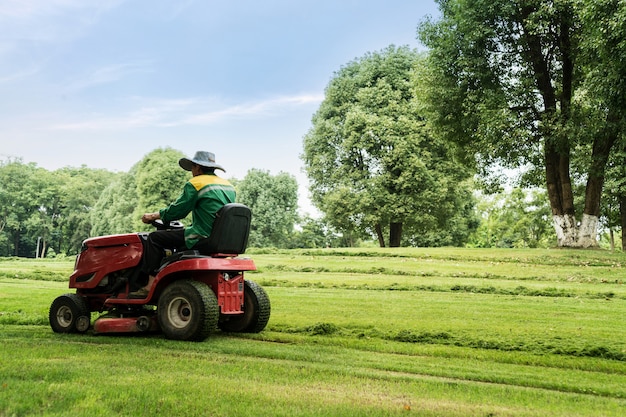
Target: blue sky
column 104, row 82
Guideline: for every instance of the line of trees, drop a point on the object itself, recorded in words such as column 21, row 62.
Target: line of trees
column 96, row 202
column 44, row 213
column 48, row 213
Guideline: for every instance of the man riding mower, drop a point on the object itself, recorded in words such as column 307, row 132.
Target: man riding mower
column 190, row 293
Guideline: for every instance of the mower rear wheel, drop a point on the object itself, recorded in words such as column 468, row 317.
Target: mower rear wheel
column 256, row 311
column 69, row 314
column 188, row 310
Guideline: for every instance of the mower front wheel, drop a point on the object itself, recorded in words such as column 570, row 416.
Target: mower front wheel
column 69, row 314
column 188, row 310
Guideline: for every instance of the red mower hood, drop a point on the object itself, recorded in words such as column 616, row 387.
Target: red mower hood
column 112, row 240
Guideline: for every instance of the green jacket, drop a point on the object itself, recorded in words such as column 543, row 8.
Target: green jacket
column 203, row 196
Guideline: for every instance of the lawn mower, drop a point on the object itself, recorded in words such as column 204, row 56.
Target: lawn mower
column 194, row 291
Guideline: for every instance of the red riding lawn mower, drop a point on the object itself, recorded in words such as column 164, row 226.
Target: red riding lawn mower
column 194, row 292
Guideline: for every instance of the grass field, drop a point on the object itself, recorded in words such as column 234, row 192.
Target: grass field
column 353, row 332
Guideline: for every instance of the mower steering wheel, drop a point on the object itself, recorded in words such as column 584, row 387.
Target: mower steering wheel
column 172, row 225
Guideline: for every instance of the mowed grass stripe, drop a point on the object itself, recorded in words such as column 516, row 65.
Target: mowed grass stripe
column 438, row 283
column 457, row 268
column 534, row 324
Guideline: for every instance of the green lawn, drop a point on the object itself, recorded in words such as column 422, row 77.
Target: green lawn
column 427, row 332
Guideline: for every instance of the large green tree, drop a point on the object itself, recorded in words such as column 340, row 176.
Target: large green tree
column 373, row 165
column 528, row 83
column 273, row 200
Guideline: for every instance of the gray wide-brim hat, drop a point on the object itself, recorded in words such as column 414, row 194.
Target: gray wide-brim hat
column 206, row 159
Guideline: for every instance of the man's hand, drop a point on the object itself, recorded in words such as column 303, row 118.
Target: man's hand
column 150, row 217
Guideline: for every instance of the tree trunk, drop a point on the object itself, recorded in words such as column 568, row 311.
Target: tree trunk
column 558, row 183
column 566, row 229
column 395, row 234
column 379, row 234
column 16, row 243
column 556, row 146
column 569, row 233
column 622, row 215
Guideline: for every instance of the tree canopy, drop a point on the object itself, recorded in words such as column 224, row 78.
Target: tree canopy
column 373, row 164
column 273, row 200
column 532, row 84
column 42, row 211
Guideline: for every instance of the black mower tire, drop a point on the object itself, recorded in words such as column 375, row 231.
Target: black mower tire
column 188, row 310
column 69, row 314
column 256, row 312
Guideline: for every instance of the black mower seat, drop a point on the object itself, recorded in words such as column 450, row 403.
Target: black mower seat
column 230, row 231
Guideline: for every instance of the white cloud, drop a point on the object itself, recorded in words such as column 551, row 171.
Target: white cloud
column 111, row 73
column 176, row 112
column 252, row 109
